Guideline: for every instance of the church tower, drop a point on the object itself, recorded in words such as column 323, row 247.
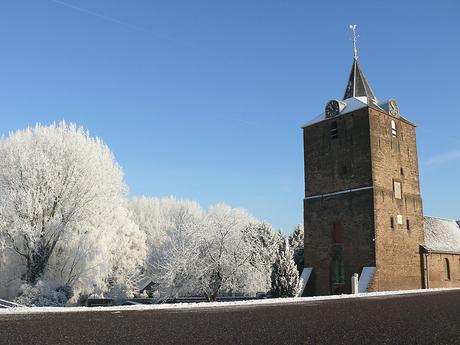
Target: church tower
column 362, row 206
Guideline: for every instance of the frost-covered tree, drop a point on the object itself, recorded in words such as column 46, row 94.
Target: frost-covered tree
column 193, row 251
column 226, row 263
column 296, row 239
column 263, row 238
column 171, row 230
column 61, row 210
column 263, row 242
column 285, row 277
column 207, row 252
column 296, row 242
column 157, row 218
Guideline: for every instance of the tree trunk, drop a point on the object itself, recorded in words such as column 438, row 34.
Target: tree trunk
column 37, row 262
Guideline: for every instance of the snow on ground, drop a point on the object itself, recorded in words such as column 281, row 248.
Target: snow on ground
column 184, row 306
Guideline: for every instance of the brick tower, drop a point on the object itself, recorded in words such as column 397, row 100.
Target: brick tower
column 362, row 206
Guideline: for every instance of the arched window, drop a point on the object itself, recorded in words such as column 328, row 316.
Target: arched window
column 393, row 128
column 339, row 271
column 446, row 269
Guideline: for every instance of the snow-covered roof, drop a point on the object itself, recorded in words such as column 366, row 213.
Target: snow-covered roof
column 358, row 94
column 353, row 104
column 143, row 283
column 441, row 235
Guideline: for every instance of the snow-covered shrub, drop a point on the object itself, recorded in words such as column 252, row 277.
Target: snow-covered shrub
column 82, row 298
column 44, row 294
column 118, row 294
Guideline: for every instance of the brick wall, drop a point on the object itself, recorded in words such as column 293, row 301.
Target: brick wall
column 337, row 164
column 398, row 240
column 334, row 165
column 354, row 212
column 364, row 153
column 437, row 275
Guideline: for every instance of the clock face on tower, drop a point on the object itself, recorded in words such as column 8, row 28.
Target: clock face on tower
column 393, row 109
column 332, row 109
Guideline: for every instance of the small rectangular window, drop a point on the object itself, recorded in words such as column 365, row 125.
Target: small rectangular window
column 392, row 222
column 337, row 233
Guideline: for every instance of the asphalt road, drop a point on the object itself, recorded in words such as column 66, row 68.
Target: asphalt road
column 422, row 318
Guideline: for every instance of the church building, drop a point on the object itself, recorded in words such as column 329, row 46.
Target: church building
column 362, row 207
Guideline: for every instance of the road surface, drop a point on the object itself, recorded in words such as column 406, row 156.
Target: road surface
column 419, row 318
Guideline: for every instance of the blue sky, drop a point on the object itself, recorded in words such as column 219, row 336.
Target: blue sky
column 204, row 100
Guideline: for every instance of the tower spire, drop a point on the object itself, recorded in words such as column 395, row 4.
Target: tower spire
column 357, row 85
column 355, row 51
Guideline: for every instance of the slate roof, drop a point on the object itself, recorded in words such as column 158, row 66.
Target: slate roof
column 357, row 85
column 441, row 235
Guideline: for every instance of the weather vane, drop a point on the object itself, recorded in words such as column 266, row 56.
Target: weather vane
column 355, row 52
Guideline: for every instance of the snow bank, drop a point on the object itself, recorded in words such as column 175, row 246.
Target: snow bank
column 185, row 306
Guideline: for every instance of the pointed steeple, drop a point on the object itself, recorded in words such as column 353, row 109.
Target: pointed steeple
column 357, row 85
column 358, row 95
